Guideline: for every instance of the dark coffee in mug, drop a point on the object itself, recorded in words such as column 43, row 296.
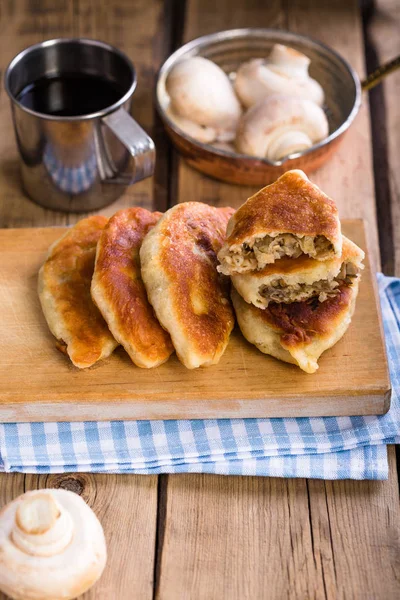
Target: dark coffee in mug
column 79, row 146
column 70, row 95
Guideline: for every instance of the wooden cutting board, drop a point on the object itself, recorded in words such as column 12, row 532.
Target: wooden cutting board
column 39, row 383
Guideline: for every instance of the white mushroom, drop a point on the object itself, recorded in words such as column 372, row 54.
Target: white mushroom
column 279, row 126
column 202, row 101
column 203, row 134
column 284, row 72
column 52, row 546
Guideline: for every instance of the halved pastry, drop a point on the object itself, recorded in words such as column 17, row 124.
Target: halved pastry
column 190, row 298
column 298, row 279
column 300, row 332
column 119, row 292
column 64, row 292
column 288, row 218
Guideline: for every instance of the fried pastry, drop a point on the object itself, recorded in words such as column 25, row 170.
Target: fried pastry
column 64, row 292
column 298, row 279
column 190, row 298
column 300, row 332
column 289, row 218
column 119, row 292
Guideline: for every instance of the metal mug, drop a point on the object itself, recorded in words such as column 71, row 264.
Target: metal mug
column 78, row 163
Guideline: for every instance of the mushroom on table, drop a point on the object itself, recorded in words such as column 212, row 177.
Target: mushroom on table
column 52, row 546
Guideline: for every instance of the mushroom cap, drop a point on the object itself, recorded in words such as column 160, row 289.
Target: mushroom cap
column 52, row 546
column 202, row 93
column 288, row 61
column 279, row 126
column 284, row 72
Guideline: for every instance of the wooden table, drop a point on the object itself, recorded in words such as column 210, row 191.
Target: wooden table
column 212, row 537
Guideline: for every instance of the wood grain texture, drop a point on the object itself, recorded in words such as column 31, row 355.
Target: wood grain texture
column 251, row 538
column 340, row 539
column 382, row 25
column 147, row 47
column 126, row 507
column 258, row 538
column 245, row 383
column 26, row 22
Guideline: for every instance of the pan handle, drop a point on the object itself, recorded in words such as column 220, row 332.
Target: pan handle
column 376, row 76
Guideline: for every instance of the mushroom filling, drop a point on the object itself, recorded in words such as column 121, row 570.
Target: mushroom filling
column 280, row 291
column 266, row 250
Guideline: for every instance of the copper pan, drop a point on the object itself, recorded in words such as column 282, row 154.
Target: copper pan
column 229, row 49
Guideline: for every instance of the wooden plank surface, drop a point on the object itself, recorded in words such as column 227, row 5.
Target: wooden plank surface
column 257, row 538
column 25, row 22
column 229, row 538
column 126, row 505
column 245, row 383
column 382, row 26
column 351, row 528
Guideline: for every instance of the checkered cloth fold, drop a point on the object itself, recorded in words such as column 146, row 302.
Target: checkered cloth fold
column 323, row 448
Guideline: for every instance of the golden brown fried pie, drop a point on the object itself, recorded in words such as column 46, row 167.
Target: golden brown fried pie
column 189, row 296
column 300, row 332
column 119, row 292
column 288, row 218
column 64, row 292
column 298, row 279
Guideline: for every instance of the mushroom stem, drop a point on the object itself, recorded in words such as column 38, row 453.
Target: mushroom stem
column 287, row 142
column 42, row 527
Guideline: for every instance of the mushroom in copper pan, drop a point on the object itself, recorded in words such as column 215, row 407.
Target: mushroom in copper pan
column 202, row 101
column 279, row 126
column 284, row 72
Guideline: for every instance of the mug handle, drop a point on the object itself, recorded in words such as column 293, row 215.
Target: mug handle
column 138, row 143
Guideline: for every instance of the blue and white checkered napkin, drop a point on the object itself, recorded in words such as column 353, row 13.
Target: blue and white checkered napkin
column 328, row 448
